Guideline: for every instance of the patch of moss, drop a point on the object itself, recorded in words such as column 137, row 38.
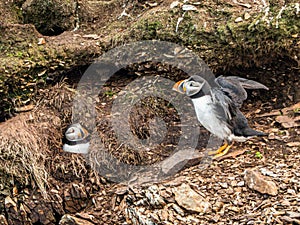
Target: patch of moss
column 228, row 44
column 149, row 28
column 25, row 66
column 212, row 33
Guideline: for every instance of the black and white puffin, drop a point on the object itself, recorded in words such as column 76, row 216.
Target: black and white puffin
column 218, row 108
column 77, row 139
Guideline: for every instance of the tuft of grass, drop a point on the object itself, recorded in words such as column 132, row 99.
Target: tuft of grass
column 23, row 150
column 297, row 110
column 258, row 155
column 109, row 93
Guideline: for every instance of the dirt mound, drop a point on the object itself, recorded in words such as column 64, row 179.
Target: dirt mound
column 27, row 140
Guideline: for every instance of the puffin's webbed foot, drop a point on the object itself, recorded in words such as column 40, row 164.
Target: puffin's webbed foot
column 221, row 151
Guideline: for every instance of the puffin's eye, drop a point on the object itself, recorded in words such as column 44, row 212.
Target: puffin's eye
column 70, row 130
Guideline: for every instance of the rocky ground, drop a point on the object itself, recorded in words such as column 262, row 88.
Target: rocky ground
column 257, row 182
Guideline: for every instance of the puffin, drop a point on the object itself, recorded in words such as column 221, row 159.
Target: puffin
column 77, row 139
column 218, row 107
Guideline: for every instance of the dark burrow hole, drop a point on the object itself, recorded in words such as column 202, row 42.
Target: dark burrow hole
column 49, row 18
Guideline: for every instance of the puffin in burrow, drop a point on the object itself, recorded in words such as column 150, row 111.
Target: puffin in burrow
column 77, row 139
column 218, row 108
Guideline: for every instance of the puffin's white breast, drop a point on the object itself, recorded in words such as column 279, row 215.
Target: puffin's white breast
column 205, row 113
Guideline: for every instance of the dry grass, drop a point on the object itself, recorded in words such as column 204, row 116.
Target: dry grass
column 31, row 140
column 24, row 147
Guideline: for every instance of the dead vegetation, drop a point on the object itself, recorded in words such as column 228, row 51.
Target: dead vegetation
column 24, row 147
column 36, row 166
column 29, row 139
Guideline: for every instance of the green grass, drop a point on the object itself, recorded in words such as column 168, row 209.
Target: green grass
column 258, row 155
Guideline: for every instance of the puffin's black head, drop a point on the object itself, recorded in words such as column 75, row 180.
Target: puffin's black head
column 75, row 134
column 191, row 86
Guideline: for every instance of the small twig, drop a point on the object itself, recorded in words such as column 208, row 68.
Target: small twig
column 76, row 17
column 266, row 10
column 124, row 14
column 178, row 22
column 265, row 17
column 241, row 4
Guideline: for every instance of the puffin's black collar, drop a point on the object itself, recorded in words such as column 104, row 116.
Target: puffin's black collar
column 72, row 143
column 197, row 95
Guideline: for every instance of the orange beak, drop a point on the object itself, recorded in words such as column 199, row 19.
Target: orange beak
column 177, row 85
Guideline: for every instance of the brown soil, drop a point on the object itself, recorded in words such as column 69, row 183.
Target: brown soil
column 218, row 180
column 74, row 188
column 107, row 202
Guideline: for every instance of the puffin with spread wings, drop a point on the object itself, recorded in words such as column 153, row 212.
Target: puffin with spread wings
column 218, row 108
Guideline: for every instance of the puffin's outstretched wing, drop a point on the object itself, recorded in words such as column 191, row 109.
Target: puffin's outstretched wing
column 234, row 87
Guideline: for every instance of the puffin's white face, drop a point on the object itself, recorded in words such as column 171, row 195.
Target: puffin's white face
column 78, row 138
column 192, row 87
column 188, row 87
column 76, row 132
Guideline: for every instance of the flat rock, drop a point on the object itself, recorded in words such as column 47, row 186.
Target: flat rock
column 247, row 16
column 10, row 203
column 239, row 19
column 153, row 196
column 188, row 8
column 174, row 4
column 293, row 214
column 293, row 144
column 190, row 200
column 288, row 122
column 72, row 220
column 258, row 182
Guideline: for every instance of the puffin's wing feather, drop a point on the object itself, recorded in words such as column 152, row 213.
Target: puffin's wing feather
column 245, row 83
column 234, row 88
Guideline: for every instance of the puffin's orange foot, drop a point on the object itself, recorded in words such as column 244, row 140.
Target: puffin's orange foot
column 221, row 151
